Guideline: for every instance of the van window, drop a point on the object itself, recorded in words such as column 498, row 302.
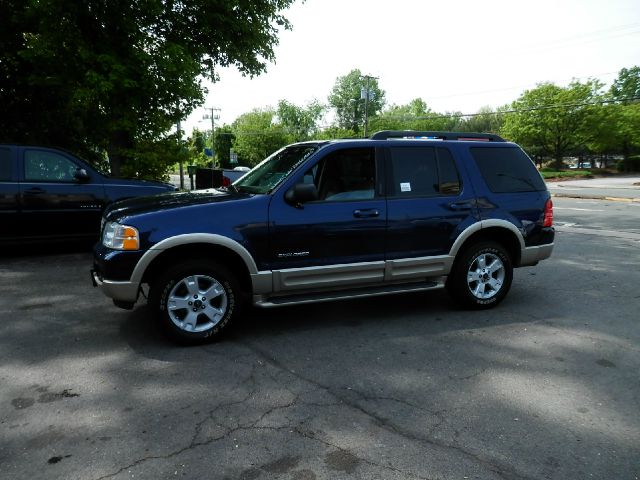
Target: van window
column 423, row 171
column 507, row 170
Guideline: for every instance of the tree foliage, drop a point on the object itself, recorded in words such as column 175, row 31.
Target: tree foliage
column 626, row 87
column 257, row 136
column 223, row 143
column 554, row 119
column 113, row 76
column 349, row 107
column 301, row 123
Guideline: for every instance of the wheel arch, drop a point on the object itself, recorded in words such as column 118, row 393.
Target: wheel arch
column 499, row 231
column 219, row 249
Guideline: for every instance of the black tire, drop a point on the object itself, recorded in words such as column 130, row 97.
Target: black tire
column 478, row 288
column 187, row 312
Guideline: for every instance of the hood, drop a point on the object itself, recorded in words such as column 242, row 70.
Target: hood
column 138, row 182
column 169, row 201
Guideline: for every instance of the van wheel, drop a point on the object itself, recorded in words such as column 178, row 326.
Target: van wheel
column 195, row 301
column 481, row 276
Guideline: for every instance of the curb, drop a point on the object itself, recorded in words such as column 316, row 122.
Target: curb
column 596, row 197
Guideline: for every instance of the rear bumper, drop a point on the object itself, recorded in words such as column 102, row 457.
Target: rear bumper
column 532, row 255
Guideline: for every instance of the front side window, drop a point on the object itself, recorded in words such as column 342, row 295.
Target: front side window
column 42, row 166
column 5, row 164
column 344, row 175
column 268, row 174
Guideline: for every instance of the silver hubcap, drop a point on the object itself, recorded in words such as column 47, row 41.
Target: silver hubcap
column 486, row 276
column 197, row 303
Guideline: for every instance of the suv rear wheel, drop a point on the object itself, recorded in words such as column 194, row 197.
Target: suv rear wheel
column 195, row 301
column 481, row 276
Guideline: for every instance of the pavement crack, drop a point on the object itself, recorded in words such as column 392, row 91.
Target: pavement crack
column 499, row 470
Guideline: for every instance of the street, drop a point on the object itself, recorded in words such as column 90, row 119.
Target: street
column 545, row 386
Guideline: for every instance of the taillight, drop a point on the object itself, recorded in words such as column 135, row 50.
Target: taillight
column 225, row 181
column 548, row 214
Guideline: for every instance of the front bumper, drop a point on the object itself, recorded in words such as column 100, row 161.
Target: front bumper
column 121, row 292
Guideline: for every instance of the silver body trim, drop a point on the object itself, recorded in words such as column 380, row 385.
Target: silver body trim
column 532, row 255
column 191, row 238
column 328, row 277
column 123, row 291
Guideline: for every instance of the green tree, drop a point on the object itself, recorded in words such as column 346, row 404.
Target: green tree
column 349, row 107
column 486, row 120
column 257, row 136
column 300, row 122
column 553, row 120
column 223, row 143
column 626, row 87
column 112, row 76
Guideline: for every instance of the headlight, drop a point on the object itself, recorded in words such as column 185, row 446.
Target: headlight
column 120, row 237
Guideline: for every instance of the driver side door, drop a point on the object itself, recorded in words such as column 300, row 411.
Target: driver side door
column 54, row 202
column 339, row 238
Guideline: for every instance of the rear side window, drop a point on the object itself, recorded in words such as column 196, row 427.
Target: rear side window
column 5, row 164
column 423, row 171
column 507, row 170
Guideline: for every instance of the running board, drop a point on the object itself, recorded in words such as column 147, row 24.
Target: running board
column 347, row 294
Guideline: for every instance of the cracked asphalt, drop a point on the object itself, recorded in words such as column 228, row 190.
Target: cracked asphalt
column 545, row 386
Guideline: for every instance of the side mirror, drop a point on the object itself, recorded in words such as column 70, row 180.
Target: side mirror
column 301, row 193
column 81, row 175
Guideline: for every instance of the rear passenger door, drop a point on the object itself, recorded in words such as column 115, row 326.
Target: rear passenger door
column 428, row 205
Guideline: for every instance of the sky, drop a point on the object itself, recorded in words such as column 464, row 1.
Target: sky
column 457, row 55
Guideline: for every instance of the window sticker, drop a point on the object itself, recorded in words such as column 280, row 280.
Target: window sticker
column 405, row 187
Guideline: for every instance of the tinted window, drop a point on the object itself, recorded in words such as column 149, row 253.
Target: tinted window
column 344, row 175
column 423, row 171
column 507, row 170
column 5, row 164
column 449, row 183
column 42, row 166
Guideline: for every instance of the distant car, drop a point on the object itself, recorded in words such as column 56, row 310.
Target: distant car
column 48, row 194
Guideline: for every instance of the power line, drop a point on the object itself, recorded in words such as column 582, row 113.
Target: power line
column 454, row 95
column 459, row 115
column 520, row 110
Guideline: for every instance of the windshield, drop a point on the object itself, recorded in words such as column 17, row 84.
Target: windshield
column 268, row 174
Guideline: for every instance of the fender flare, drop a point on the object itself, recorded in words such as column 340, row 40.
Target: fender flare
column 192, row 238
column 478, row 226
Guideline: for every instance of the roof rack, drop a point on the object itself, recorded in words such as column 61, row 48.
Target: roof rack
column 414, row 134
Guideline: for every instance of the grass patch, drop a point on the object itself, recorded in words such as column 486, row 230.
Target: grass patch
column 548, row 173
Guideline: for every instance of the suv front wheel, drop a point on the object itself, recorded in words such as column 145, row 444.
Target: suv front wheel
column 195, row 301
column 481, row 276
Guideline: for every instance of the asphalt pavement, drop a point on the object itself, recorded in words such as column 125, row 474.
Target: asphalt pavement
column 624, row 188
column 545, row 386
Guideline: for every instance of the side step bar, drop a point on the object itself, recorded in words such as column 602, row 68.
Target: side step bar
column 318, row 297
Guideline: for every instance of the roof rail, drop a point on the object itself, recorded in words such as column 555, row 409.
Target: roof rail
column 480, row 137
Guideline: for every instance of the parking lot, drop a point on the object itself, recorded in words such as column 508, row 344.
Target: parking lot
column 545, row 386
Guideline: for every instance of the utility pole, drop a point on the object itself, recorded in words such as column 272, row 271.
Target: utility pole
column 366, row 95
column 179, row 131
column 213, row 115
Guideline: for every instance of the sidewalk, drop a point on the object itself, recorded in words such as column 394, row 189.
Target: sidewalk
column 624, row 189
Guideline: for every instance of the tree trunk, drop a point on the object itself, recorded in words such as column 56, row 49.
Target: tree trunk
column 119, row 142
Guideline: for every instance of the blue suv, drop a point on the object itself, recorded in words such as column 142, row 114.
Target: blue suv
column 402, row 211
